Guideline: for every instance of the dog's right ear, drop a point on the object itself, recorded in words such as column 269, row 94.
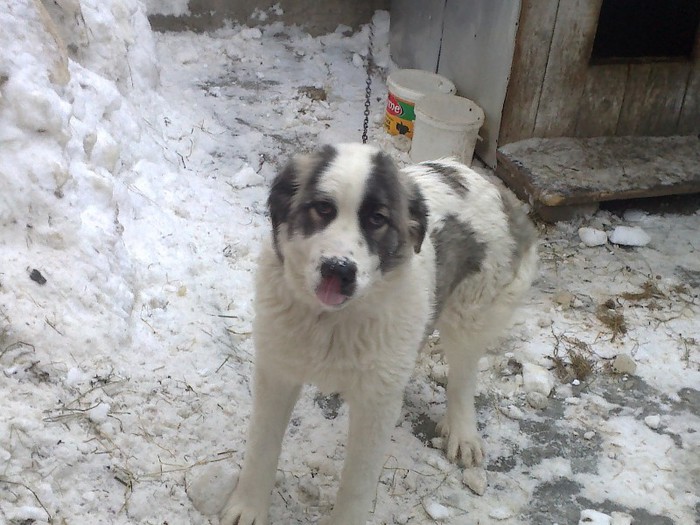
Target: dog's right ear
column 279, row 202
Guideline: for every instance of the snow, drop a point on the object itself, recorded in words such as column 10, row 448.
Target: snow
column 592, row 237
column 653, row 421
column 592, row 517
column 168, row 7
column 133, row 176
column 436, row 511
column 537, row 379
column 629, row 236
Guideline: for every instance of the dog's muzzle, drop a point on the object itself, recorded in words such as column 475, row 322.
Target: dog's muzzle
column 338, row 280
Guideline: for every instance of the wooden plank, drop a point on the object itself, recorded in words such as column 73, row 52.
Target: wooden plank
column 689, row 121
column 633, row 103
column 567, row 67
column 601, row 102
column 574, row 171
column 532, row 44
column 654, row 98
column 666, row 89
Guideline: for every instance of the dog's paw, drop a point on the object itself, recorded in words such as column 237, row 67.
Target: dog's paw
column 462, row 445
column 240, row 513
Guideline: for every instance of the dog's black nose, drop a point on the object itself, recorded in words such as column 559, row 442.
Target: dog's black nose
column 342, row 268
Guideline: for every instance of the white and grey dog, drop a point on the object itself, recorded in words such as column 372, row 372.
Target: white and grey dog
column 364, row 262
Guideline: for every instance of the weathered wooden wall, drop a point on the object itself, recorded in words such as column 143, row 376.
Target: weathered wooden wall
column 316, row 16
column 555, row 92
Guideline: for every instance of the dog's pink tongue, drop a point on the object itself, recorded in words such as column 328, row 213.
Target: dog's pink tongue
column 328, row 292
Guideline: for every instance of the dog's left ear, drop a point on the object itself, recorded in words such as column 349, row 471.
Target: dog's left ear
column 417, row 217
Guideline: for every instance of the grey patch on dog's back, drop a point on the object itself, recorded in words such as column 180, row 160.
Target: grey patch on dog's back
column 449, row 176
column 520, row 226
column 458, row 254
column 384, row 191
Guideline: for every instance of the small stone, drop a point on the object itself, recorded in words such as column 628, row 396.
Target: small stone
column 653, row 422
column 589, row 435
column 36, row 276
column 537, row 379
column 572, row 400
column 624, row 364
column 536, row 400
column 475, row 480
column 512, row 412
column 501, row 513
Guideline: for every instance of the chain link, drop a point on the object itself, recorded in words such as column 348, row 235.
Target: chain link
column 368, row 83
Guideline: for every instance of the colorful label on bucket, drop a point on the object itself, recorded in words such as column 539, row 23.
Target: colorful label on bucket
column 399, row 117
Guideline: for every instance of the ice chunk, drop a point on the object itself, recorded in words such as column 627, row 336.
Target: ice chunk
column 98, row 414
column 435, row 510
column 593, row 517
column 592, row 236
column 653, row 421
column 537, row 379
column 629, row 236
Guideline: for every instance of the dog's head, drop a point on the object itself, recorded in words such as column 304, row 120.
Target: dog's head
column 342, row 218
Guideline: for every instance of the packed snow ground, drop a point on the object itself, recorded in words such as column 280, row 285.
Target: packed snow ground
column 133, row 175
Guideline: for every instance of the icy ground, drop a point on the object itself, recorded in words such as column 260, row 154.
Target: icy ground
column 133, row 174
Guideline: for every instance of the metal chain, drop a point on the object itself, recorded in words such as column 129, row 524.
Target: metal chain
column 368, row 83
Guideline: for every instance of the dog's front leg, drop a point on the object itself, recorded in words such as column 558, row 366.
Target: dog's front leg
column 371, row 423
column 274, row 397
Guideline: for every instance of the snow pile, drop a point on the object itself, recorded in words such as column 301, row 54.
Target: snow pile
column 101, row 223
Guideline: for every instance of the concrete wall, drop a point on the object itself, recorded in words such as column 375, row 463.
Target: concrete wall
column 316, row 16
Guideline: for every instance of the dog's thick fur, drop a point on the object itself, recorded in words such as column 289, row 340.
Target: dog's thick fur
column 364, row 262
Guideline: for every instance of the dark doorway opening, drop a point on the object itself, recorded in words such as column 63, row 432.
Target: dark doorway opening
column 646, row 30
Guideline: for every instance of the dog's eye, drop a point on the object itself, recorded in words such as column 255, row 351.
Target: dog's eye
column 377, row 219
column 324, row 209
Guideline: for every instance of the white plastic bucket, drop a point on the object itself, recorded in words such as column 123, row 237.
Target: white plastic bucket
column 406, row 87
column 446, row 126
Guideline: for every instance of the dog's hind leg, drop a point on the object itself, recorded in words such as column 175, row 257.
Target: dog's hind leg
column 462, row 441
column 274, row 398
